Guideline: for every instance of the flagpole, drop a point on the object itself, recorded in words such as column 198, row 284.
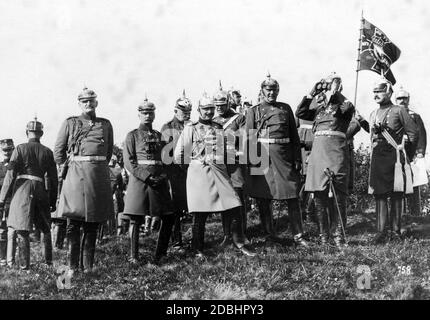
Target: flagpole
column 358, row 58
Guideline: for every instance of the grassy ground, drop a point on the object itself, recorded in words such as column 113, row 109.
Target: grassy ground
column 398, row 270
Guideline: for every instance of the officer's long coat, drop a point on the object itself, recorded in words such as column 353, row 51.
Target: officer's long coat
column 209, row 188
column 328, row 151
column 177, row 173
column 281, row 179
column 30, row 200
column 142, row 199
column 86, row 193
column 232, row 122
column 383, row 159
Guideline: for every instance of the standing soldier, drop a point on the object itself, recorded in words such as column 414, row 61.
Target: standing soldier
column 30, row 202
column 148, row 189
column 209, row 188
column 84, row 147
column 177, row 172
column 232, row 123
column 389, row 123
column 7, row 148
column 329, row 151
column 236, row 101
column 281, row 179
column 402, row 99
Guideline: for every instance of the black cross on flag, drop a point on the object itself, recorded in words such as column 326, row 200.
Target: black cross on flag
column 377, row 52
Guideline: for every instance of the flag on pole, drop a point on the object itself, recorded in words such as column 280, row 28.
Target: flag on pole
column 377, row 52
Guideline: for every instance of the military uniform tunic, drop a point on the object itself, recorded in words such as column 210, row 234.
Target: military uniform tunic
column 86, row 193
column 209, row 188
column 177, row 173
column 422, row 134
column 281, row 180
column 232, row 122
column 142, row 158
column 383, row 158
column 330, row 148
column 30, row 201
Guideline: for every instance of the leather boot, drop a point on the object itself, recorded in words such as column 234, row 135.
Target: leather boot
column 88, row 249
column 381, row 219
column 164, row 234
column 396, row 214
column 61, row 234
column 155, row 224
column 3, row 253
column 74, row 236
column 134, row 241
column 198, row 237
column 177, row 232
column 47, row 247
column 24, row 249
column 321, row 213
column 11, row 246
column 146, row 226
column 226, row 220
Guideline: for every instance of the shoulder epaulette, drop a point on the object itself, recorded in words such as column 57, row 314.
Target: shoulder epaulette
column 72, row 117
column 103, row 119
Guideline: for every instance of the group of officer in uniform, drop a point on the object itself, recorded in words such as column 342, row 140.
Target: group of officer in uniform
column 204, row 167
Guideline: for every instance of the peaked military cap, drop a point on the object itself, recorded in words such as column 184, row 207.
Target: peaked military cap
column 220, row 96
column 146, row 105
column 35, row 125
column 206, row 102
column 402, row 93
column 235, row 92
column 6, row 144
column 183, row 103
column 270, row 82
column 87, row 94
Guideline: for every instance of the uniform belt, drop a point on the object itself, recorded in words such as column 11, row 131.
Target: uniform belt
column 274, row 140
column 88, row 158
column 330, row 133
column 149, row 162
column 306, row 126
column 30, row 177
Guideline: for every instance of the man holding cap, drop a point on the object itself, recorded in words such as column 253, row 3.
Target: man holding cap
column 402, row 99
column 84, row 147
column 148, row 189
column 177, row 173
column 30, row 203
column 7, row 147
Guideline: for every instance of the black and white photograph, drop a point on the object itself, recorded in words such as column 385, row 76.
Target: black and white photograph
column 214, row 156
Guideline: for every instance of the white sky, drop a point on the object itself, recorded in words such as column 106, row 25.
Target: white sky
column 124, row 49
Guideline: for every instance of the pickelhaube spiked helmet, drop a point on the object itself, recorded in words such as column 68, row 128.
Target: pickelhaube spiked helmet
column 206, row 101
column 402, row 93
column 183, row 103
column 220, row 96
column 6, row 144
column 87, row 94
column 270, row 82
column 35, row 126
column 146, row 105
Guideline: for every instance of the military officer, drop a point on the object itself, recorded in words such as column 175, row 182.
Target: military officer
column 177, row 172
column 329, row 151
column 7, row 147
column 402, row 99
column 148, row 190
column 30, row 202
column 272, row 125
column 209, row 188
column 232, row 123
column 84, row 147
column 389, row 123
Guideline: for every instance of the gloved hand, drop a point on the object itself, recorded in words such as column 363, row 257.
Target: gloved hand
column 320, row 86
column 154, row 181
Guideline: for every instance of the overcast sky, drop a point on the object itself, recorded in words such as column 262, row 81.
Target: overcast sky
column 124, row 49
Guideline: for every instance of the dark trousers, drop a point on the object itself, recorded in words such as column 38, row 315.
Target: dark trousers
column 164, row 234
column 59, row 232
column 81, row 248
column 177, row 232
column 227, row 219
column 266, row 215
column 414, row 202
column 328, row 215
column 3, row 242
column 389, row 219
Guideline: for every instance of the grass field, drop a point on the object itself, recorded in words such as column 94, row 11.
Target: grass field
column 398, row 270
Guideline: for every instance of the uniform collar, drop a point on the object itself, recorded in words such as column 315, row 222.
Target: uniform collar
column 205, row 121
column 86, row 116
column 229, row 113
column 145, row 127
column 177, row 120
column 34, row 140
